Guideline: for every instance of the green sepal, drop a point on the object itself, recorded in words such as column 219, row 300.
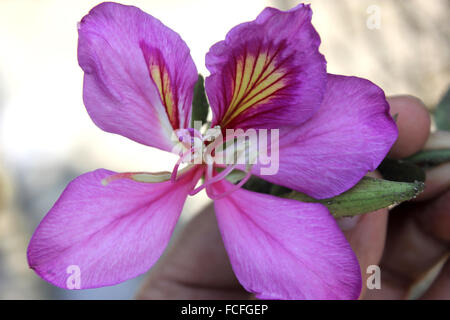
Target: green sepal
column 368, row 195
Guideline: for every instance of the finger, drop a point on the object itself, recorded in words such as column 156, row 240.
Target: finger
column 196, row 266
column 438, row 140
column 393, row 287
column 437, row 181
column 367, row 241
column 415, row 237
column 437, row 178
column 434, row 218
column 418, row 236
column 440, row 288
column 413, row 122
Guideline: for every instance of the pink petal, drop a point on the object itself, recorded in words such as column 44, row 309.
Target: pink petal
column 132, row 82
column 268, row 72
column 111, row 232
column 350, row 134
column 285, row 249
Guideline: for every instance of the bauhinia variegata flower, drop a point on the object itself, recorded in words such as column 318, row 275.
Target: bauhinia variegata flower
column 139, row 80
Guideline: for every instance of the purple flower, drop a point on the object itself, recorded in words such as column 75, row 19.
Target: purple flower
column 268, row 73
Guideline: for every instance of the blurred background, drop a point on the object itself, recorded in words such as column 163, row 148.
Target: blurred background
column 47, row 138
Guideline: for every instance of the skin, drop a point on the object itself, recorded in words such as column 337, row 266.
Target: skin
column 406, row 241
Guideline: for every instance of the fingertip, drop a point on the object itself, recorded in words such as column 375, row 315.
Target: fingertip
column 413, row 122
column 437, row 182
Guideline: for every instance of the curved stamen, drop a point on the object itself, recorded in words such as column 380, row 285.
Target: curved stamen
column 216, row 178
column 213, row 196
column 242, row 152
column 187, row 137
column 173, row 176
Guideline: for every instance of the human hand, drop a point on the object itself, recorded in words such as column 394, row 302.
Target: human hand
column 196, row 265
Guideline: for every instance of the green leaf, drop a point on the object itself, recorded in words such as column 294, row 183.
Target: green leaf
column 200, row 104
column 430, row 157
column 442, row 113
column 401, row 170
column 368, row 195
